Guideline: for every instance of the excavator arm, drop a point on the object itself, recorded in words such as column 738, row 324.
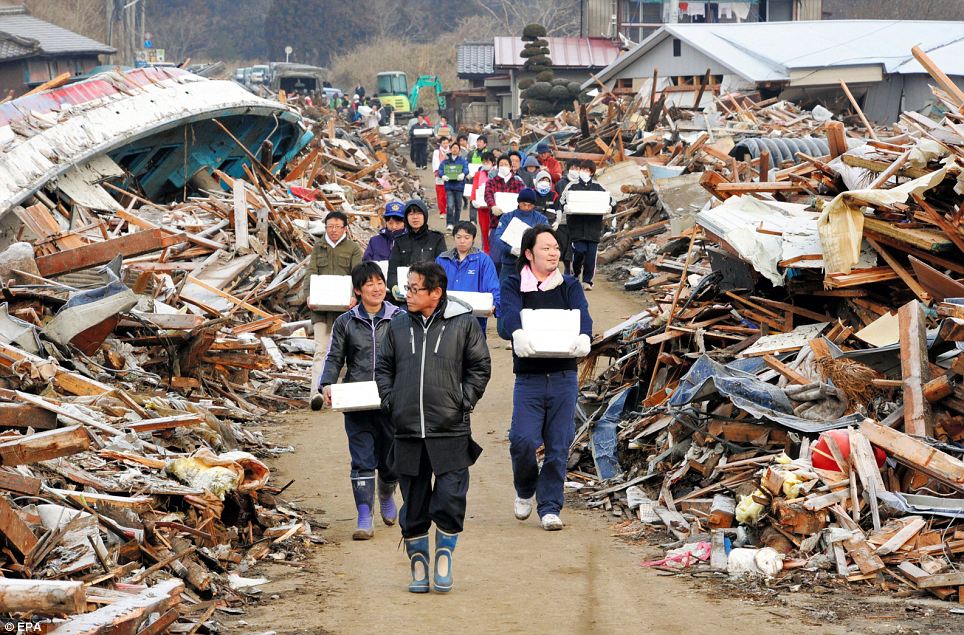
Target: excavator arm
column 427, row 81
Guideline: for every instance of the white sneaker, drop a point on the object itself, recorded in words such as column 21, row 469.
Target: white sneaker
column 551, row 522
column 522, row 508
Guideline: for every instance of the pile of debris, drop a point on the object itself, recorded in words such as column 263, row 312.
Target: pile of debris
column 139, row 340
column 793, row 399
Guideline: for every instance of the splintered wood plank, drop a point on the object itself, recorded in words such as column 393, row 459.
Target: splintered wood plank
column 124, row 616
column 103, row 252
column 21, row 415
column 44, row 445
column 907, row 533
column 914, row 369
column 14, row 529
column 915, row 454
column 240, row 217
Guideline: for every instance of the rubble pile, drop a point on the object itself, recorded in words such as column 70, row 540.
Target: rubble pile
column 137, row 347
column 791, row 401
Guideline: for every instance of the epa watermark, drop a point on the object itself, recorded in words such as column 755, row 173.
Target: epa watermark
column 8, row 625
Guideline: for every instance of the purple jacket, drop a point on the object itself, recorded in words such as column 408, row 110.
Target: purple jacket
column 379, row 246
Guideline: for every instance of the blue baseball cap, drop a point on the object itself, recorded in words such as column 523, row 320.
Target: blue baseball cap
column 394, row 209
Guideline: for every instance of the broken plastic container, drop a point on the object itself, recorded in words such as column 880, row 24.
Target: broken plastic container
column 359, row 395
column 330, row 293
column 551, row 331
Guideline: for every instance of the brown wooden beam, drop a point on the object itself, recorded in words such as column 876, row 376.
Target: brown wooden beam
column 914, row 369
column 103, row 252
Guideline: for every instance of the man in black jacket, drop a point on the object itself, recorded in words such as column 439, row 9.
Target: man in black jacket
column 585, row 230
column 432, row 368
column 418, row 244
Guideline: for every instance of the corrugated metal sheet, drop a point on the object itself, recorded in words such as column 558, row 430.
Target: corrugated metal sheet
column 768, row 51
column 51, row 38
column 476, row 58
column 566, row 52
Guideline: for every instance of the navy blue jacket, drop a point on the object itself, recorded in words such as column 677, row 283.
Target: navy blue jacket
column 568, row 295
column 379, row 246
column 501, row 249
column 454, row 184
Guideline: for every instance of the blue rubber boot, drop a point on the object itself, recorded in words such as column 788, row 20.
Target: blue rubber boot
column 417, row 550
column 363, row 488
column 386, row 502
column 444, row 546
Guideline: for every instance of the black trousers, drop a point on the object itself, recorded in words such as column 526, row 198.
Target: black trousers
column 420, row 149
column 424, row 502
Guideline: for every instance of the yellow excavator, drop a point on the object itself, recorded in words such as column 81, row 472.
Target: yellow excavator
column 393, row 91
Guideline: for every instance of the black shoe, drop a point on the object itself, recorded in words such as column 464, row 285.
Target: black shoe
column 317, row 402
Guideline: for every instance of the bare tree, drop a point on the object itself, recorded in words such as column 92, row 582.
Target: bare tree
column 560, row 17
column 86, row 17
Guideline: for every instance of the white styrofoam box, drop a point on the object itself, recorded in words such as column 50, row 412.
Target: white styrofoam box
column 512, row 236
column 480, row 195
column 582, row 202
column 507, row 201
column 467, row 190
column 403, row 278
column 473, row 168
column 481, row 303
column 422, row 132
column 358, row 395
column 383, row 264
column 330, row 293
column 551, row 331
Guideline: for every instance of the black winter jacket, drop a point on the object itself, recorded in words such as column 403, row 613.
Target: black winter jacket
column 586, row 227
column 425, row 245
column 354, row 342
column 431, row 373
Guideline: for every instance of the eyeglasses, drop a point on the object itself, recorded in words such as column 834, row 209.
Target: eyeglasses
column 336, row 226
column 414, row 290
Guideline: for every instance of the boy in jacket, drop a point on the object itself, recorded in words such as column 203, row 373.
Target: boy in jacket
column 526, row 212
column 334, row 254
column 468, row 269
column 544, row 397
column 417, row 244
column 380, row 245
column 452, row 170
column 355, row 339
column 585, row 230
column 432, row 369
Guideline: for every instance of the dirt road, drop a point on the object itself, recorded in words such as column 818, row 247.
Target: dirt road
column 510, row 576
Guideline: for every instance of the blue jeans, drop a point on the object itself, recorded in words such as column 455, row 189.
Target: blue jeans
column 370, row 436
column 543, row 413
column 453, row 206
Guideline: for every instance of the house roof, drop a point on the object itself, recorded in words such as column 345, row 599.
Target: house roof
column 566, row 52
column 769, row 51
column 476, row 58
column 22, row 35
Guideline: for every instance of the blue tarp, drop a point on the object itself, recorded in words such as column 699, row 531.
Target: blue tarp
column 748, row 393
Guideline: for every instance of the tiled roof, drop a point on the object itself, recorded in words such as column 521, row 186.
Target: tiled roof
column 18, row 29
column 476, row 58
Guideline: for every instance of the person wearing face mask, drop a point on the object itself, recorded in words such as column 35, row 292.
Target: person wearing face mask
column 355, row 338
column 560, row 225
column 526, row 212
column 545, row 392
column 439, row 155
column 503, row 181
column 380, row 245
column 468, row 269
column 585, row 230
column 546, row 198
column 478, row 198
column 417, row 244
column 453, row 171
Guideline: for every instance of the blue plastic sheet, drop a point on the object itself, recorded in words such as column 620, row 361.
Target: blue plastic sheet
column 748, row 393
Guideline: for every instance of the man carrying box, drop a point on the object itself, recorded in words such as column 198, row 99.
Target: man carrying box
column 333, row 255
column 544, row 397
column 432, row 368
column 355, row 338
column 525, row 212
